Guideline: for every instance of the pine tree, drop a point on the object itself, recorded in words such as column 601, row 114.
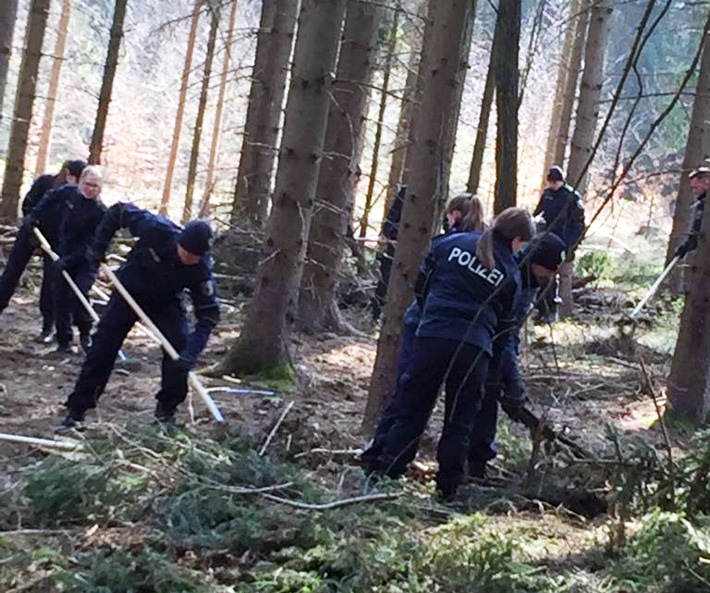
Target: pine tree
column 110, row 67
column 263, row 340
column 271, row 65
column 24, row 103
column 8, row 15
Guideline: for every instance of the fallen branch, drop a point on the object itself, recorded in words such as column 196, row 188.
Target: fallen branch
column 331, row 505
column 275, row 428
column 52, row 444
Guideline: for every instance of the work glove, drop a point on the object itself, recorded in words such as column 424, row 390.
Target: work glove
column 681, row 251
column 513, row 402
column 185, row 363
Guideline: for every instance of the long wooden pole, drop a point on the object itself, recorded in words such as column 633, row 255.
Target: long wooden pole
column 163, row 341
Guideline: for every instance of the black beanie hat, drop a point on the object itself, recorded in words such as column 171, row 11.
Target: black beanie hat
column 555, row 174
column 196, row 237
column 548, row 251
column 76, row 168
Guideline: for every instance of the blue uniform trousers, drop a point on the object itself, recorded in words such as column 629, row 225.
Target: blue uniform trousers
column 482, row 447
column 17, row 261
column 67, row 305
column 116, row 321
column 394, row 406
column 463, row 369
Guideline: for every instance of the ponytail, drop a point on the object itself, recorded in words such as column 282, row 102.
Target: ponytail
column 509, row 224
column 473, row 221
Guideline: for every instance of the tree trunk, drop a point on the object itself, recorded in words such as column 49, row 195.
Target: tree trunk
column 409, row 97
column 696, row 151
column 263, row 342
column 114, row 45
column 507, row 75
column 175, row 144
column 566, row 88
column 387, row 70
column 589, row 94
column 8, row 15
column 256, row 165
column 689, row 383
column 202, row 105
column 209, row 181
column 318, row 310
column 479, row 147
column 24, row 102
column 442, row 55
column 586, row 121
column 46, row 138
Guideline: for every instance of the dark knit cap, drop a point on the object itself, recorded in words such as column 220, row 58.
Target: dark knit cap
column 75, row 168
column 196, row 237
column 555, row 174
column 548, row 251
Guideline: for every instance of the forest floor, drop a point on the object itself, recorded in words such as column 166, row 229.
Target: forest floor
column 250, row 505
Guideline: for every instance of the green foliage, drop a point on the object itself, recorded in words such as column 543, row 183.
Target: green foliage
column 596, row 262
column 65, row 491
column 666, row 555
column 139, row 571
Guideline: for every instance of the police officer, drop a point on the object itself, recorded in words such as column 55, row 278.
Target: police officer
column 699, row 183
column 26, row 244
column 562, row 211
column 472, row 285
column 464, row 213
column 166, row 261
column 82, row 211
column 538, row 263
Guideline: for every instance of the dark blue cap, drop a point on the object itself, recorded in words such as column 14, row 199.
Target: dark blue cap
column 548, row 251
column 555, row 174
column 196, row 237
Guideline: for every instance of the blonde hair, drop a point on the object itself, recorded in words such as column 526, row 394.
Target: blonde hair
column 509, row 224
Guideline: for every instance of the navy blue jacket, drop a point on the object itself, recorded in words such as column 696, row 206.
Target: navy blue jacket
column 153, row 272
column 390, row 227
column 563, row 212
column 40, row 186
column 79, row 220
column 465, row 301
column 47, row 213
column 699, row 207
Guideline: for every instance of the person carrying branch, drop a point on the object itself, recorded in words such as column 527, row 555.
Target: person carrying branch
column 470, row 287
column 81, row 211
column 699, row 183
column 26, row 244
column 166, row 261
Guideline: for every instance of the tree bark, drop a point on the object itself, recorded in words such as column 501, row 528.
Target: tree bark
column 589, row 94
column 209, row 181
column 409, row 98
column 175, row 144
column 263, row 341
column 566, row 88
column 369, row 197
column 24, row 102
column 256, row 165
column 318, row 310
column 8, row 16
column 507, row 75
column 442, row 56
column 479, row 147
column 58, row 59
column 199, row 119
column 696, row 151
column 114, row 45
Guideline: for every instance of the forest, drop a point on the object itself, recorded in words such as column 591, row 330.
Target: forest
column 395, row 296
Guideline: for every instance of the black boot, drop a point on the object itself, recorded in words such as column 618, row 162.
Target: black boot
column 64, row 349
column 165, row 415
column 72, row 421
column 47, row 334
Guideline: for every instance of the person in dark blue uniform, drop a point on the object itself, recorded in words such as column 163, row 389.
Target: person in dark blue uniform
column 472, row 283
column 538, row 263
column 699, row 183
column 82, row 211
column 464, row 213
column 166, row 261
column 26, row 244
column 562, row 211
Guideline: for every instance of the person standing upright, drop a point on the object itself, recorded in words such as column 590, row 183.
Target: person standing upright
column 562, row 211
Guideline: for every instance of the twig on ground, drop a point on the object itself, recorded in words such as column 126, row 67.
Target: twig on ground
column 331, row 505
column 275, row 428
